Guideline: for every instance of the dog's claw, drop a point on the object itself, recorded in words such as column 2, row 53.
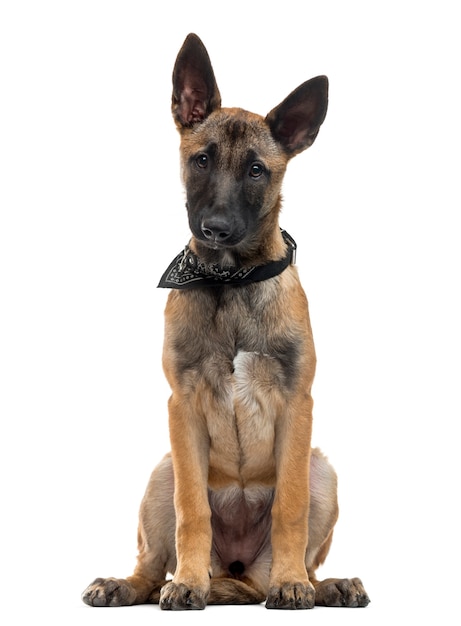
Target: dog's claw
column 347, row 592
column 291, row 596
column 178, row 597
column 109, row 592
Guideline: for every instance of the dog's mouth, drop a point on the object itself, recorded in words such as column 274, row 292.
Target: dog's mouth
column 218, row 253
column 227, row 246
column 214, row 245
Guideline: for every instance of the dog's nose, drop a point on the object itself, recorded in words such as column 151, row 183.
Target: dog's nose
column 216, row 229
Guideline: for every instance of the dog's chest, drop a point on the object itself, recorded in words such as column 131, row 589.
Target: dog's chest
column 257, row 379
column 241, row 420
column 249, row 390
column 235, row 364
column 238, row 335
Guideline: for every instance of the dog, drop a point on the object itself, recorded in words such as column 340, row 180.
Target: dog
column 242, row 510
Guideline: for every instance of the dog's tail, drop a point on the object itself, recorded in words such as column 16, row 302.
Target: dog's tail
column 232, row 591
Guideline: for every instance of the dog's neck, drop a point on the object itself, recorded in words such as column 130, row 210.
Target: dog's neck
column 187, row 270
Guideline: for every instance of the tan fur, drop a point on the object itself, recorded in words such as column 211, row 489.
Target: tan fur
column 242, row 510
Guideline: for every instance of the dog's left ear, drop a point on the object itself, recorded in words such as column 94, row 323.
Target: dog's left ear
column 195, row 92
column 296, row 121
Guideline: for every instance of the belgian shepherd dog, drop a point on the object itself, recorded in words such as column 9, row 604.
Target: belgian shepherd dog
column 242, row 510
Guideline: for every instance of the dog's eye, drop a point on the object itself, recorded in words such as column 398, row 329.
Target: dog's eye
column 202, row 160
column 256, row 170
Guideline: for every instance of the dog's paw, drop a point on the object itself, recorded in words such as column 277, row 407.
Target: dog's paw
column 109, row 592
column 179, row 597
column 291, row 596
column 348, row 592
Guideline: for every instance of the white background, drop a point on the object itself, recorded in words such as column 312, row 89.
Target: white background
column 92, row 212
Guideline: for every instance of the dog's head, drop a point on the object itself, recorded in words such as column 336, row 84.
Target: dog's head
column 233, row 161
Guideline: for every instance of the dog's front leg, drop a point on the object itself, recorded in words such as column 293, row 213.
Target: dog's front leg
column 289, row 586
column 190, row 586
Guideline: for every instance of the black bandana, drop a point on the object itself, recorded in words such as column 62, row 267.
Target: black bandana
column 186, row 271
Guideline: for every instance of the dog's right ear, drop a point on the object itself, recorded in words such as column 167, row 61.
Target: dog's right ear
column 195, row 92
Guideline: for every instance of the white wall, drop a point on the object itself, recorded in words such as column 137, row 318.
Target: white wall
column 92, row 212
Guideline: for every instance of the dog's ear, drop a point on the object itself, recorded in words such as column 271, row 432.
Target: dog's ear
column 295, row 122
column 195, row 92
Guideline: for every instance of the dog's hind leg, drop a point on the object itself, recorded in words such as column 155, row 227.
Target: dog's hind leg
column 347, row 592
column 323, row 513
column 342, row 592
column 156, row 546
column 122, row 591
